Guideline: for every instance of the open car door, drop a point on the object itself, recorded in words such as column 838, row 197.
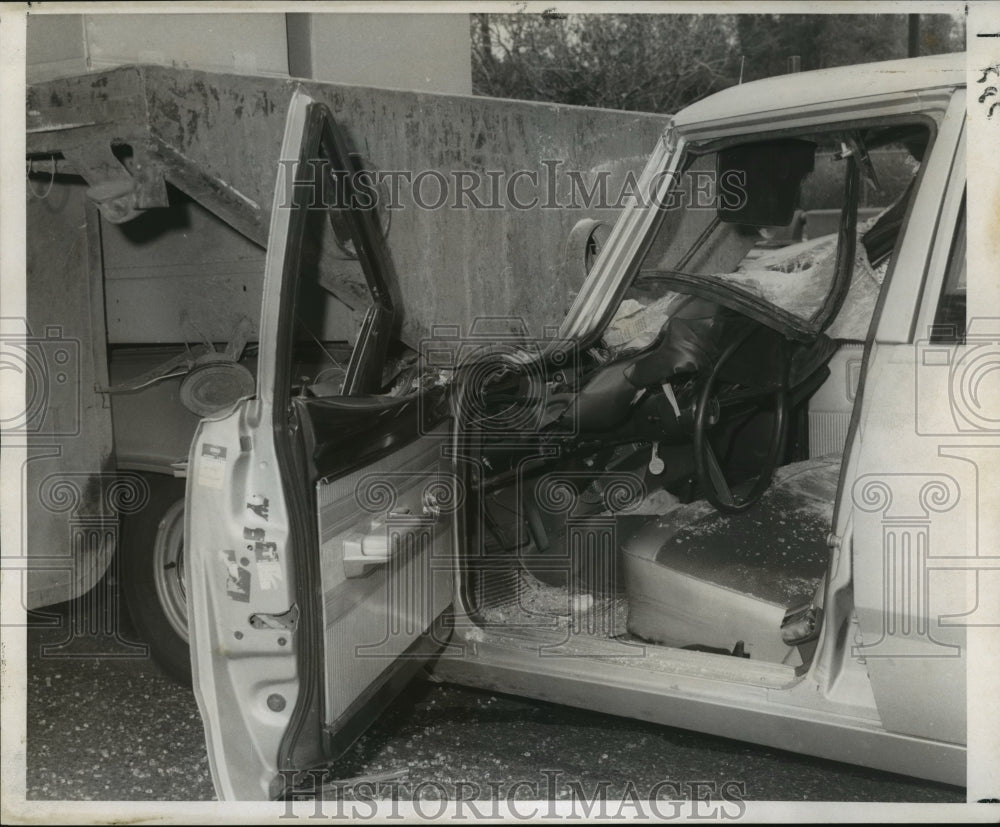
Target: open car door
column 319, row 512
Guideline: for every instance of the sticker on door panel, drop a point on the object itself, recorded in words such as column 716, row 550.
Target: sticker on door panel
column 237, row 577
column 269, row 574
column 211, row 467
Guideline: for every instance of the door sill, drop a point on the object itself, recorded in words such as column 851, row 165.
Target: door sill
column 605, row 656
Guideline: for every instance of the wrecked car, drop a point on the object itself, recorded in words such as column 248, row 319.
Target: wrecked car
column 733, row 492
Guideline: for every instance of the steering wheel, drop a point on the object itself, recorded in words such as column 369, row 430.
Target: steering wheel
column 743, row 401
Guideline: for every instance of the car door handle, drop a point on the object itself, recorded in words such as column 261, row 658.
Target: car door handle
column 363, row 550
column 375, row 544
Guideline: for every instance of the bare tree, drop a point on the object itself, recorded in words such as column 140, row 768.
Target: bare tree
column 655, row 63
column 766, row 41
column 661, row 62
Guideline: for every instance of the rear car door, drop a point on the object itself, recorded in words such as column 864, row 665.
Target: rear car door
column 319, row 512
column 911, row 489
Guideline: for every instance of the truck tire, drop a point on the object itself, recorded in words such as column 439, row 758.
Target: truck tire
column 153, row 576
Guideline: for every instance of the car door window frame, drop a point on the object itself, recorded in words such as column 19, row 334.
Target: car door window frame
column 903, row 312
column 323, row 153
column 951, row 313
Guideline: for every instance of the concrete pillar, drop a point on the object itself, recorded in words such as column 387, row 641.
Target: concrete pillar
column 420, row 52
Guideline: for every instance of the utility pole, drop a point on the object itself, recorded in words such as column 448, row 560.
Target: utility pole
column 913, row 35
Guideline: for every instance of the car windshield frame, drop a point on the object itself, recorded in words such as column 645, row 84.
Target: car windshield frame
column 729, row 293
column 621, row 260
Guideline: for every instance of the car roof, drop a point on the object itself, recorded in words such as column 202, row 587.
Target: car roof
column 773, row 95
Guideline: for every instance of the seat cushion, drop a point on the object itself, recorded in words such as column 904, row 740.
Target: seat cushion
column 696, row 577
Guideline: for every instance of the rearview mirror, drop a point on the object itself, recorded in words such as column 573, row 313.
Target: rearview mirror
column 759, row 183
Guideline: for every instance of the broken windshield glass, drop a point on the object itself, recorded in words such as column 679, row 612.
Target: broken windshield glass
column 794, row 267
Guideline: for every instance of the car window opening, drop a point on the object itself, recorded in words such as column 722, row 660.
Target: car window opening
column 333, row 298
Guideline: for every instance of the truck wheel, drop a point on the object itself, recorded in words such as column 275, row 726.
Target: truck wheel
column 153, row 576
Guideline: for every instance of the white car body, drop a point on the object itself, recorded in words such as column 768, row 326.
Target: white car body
column 298, row 637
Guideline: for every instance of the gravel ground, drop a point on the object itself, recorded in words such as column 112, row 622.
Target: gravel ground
column 115, row 728
column 109, row 728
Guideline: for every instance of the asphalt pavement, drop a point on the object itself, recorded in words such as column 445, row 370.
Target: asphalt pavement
column 103, row 723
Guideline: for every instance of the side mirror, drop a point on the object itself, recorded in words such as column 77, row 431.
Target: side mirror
column 759, row 183
column 585, row 242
